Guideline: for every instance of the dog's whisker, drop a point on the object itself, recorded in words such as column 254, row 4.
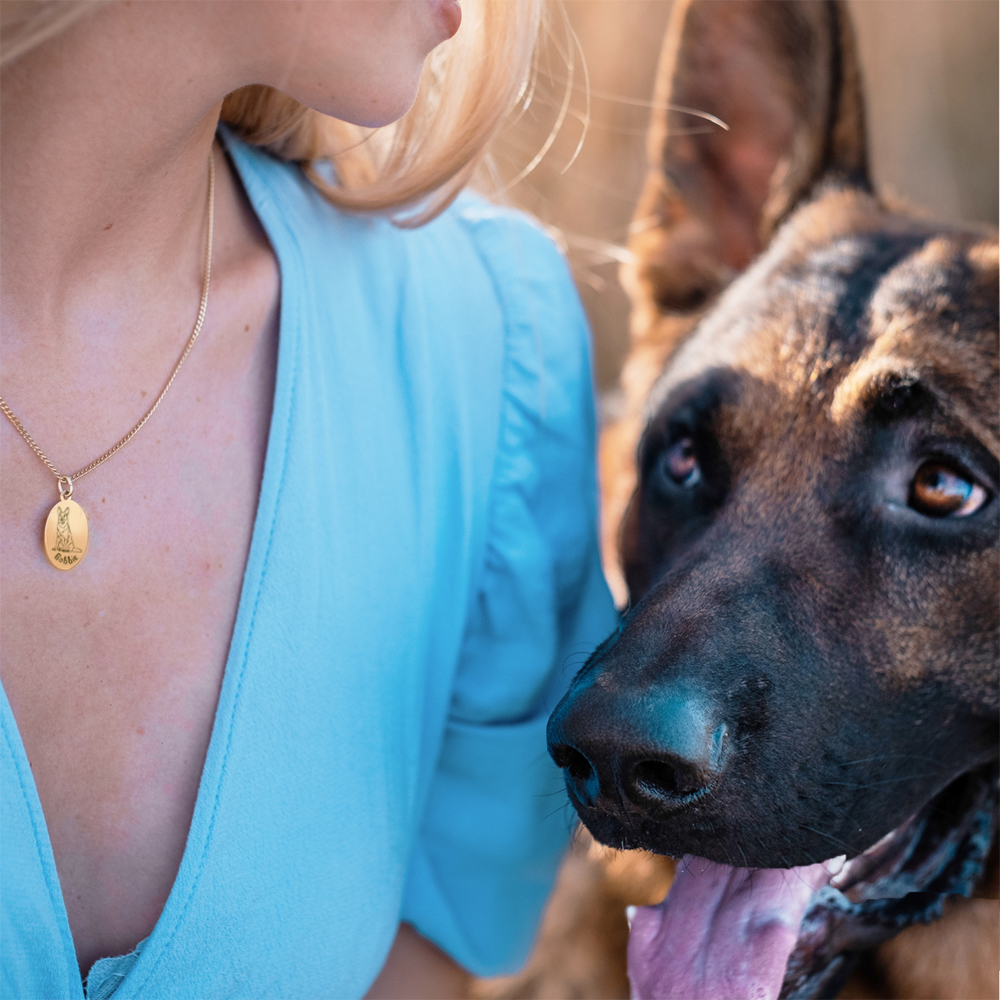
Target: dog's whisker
column 560, row 808
column 826, row 836
column 888, row 756
column 845, row 815
column 875, row 784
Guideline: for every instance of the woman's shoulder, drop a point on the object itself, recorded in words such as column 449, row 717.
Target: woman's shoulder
column 474, row 244
column 474, row 313
column 528, row 272
column 509, row 241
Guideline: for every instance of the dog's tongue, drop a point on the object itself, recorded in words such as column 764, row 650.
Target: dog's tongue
column 722, row 933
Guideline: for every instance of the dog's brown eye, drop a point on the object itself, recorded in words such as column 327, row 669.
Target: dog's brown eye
column 681, row 463
column 939, row 491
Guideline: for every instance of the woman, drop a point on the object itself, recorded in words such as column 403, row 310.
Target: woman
column 277, row 669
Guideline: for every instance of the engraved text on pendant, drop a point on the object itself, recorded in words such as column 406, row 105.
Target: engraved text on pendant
column 66, row 535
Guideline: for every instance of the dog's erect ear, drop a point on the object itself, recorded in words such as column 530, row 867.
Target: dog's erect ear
column 784, row 78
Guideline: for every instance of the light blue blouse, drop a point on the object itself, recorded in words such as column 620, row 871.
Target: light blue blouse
column 423, row 580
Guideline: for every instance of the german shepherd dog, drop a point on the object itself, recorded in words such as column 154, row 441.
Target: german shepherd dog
column 807, row 669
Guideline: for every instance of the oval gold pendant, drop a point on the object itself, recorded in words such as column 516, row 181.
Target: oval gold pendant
column 66, row 535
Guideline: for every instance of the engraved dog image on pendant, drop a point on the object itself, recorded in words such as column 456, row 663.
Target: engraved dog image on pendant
column 66, row 535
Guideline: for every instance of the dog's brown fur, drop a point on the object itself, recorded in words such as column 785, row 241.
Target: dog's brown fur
column 790, row 92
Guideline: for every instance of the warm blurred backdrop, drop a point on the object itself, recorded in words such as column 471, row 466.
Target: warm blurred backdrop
column 931, row 78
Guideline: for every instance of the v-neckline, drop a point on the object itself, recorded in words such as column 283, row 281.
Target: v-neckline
column 197, row 842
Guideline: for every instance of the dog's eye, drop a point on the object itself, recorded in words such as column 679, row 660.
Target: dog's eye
column 938, row 490
column 680, row 463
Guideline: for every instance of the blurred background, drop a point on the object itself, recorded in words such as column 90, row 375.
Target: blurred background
column 931, row 78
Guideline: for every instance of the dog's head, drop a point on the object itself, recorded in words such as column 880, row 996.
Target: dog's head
column 809, row 658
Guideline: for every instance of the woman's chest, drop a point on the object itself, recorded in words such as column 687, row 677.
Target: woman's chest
column 330, row 701
column 113, row 668
column 114, row 699
column 330, row 663
column 331, row 668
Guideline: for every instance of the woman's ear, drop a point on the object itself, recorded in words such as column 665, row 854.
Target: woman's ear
column 783, row 77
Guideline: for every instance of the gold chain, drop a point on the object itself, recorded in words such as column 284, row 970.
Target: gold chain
column 202, row 307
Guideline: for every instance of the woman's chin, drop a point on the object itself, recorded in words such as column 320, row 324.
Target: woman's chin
column 389, row 107
column 447, row 16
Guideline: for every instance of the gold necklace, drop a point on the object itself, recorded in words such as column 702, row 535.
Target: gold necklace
column 67, row 533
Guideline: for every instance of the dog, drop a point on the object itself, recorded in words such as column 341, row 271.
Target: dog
column 803, row 498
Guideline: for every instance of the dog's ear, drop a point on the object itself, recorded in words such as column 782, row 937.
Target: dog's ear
column 783, row 76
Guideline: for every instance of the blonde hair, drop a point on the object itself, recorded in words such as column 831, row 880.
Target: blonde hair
column 412, row 168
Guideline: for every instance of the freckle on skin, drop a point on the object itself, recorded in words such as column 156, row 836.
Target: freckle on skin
column 108, row 226
column 140, row 730
column 104, row 500
column 246, row 329
column 142, row 392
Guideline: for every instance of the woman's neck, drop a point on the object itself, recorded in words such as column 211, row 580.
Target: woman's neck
column 106, row 138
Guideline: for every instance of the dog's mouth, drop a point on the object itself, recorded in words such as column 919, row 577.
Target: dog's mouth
column 902, row 880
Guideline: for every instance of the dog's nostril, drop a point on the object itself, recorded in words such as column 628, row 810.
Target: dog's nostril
column 571, row 760
column 664, row 780
column 580, row 774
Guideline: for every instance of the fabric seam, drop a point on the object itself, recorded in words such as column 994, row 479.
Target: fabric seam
column 506, row 402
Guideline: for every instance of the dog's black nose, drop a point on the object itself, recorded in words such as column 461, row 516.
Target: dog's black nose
column 664, row 747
